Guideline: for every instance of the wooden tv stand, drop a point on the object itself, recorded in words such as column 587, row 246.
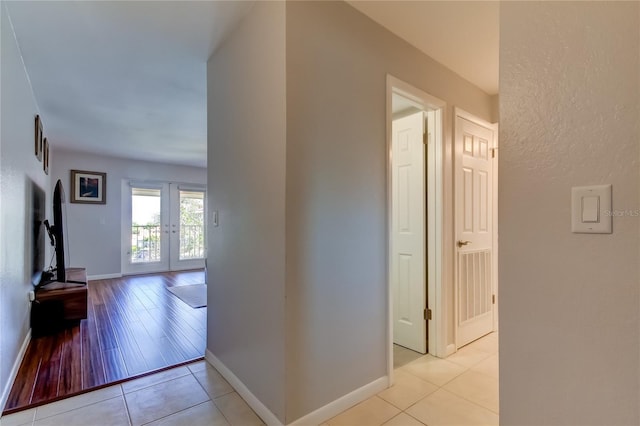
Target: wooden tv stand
column 72, row 294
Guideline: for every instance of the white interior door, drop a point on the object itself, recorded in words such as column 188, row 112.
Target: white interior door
column 474, row 227
column 187, row 230
column 408, row 252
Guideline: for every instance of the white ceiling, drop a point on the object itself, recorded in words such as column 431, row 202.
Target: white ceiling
column 461, row 35
column 123, row 78
column 128, row 78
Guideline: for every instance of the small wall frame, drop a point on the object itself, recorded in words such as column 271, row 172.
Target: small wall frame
column 88, row 187
column 39, row 148
column 45, row 156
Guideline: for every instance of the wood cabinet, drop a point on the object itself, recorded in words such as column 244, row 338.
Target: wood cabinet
column 58, row 303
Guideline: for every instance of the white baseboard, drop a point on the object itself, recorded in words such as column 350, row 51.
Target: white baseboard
column 261, row 410
column 336, row 407
column 451, row 349
column 316, row 417
column 14, row 371
column 103, row 276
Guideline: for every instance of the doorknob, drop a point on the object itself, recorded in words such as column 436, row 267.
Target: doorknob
column 463, row 243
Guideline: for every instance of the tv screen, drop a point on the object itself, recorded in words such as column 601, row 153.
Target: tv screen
column 58, row 231
column 37, row 233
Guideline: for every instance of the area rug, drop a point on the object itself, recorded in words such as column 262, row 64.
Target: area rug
column 194, row 295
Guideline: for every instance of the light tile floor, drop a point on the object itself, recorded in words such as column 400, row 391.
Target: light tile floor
column 195, row 394
column 460, row 390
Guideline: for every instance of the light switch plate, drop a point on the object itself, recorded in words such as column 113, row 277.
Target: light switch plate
column 586, row 220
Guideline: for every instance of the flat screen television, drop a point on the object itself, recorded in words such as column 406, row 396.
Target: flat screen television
column 56, row 235
column 37, row 235
column 58, row 231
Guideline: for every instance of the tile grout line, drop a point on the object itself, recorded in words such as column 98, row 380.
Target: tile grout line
column 156, row 383
column 468, row 400
column 468, row 369
column 126, row 405
column 213, row 400
column 71, row 409
column 179, row 411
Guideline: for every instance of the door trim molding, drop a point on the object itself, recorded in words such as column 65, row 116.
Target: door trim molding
column 436, row 257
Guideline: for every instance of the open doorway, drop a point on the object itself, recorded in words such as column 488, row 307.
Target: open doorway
column 415, row 142
column 426, row 208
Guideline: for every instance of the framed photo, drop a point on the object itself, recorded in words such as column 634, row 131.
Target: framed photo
column 38, row 140
column 45, row 156
column 88, row 187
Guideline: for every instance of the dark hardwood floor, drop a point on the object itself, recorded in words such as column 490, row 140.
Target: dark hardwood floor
column 133, row 326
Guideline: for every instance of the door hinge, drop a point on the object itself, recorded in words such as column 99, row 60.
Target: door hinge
column 427, row 314
column 493, row 299
column 425, row 138
column 493, row 152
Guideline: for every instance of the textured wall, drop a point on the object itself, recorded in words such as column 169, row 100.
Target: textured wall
column 569, row 314
column 19, row 171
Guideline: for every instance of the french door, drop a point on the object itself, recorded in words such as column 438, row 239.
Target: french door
column 163, row 227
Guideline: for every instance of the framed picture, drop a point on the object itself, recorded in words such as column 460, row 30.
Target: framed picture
column 45, row 156
column 38, row 142
column 88, row 187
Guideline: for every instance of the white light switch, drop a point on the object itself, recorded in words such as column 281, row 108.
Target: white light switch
column 591, row 209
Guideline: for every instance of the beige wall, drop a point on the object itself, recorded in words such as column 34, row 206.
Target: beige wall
column 337, row 62
column 569, row 313
column 307, row 173
column 495, row 108
column 246, row 166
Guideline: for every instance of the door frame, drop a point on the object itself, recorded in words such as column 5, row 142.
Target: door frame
column 175, row 264
column 458, row 112
column 125, row 231
column 435, row 171
column 164, row 185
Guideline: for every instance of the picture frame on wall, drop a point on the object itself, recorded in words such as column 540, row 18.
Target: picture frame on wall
column 88, row 187
column 38, row 138
column 45, row 156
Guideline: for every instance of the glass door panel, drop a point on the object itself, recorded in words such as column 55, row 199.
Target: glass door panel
column 163, row 227
column 191, row 225
column 187, row 228
column 146, row 227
